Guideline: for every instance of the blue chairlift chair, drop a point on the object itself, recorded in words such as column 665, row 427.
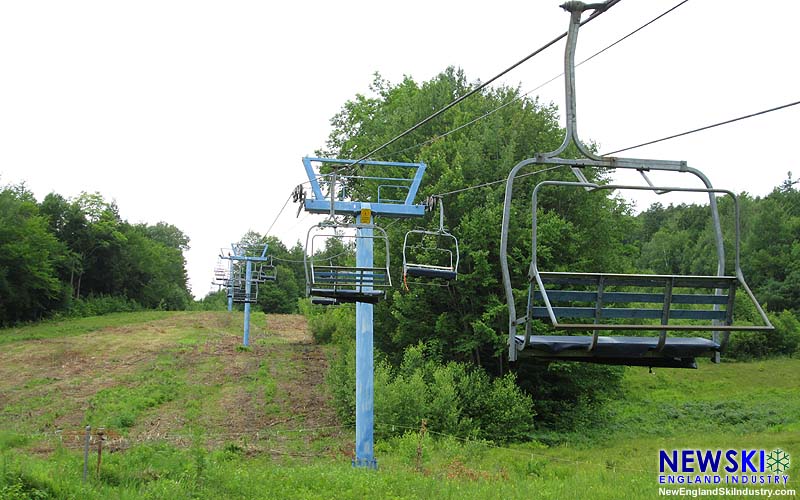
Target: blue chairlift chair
column 338, row 277
column 430, row 254
column 265, row 271
column 613, row 302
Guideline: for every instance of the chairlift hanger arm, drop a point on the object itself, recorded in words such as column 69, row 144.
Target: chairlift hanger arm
column 575, row 9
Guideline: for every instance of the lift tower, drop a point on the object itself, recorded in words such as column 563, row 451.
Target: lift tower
column 362, row 190
column 243, row 283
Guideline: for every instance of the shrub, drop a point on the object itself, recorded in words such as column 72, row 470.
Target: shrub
column 783, row 341
column 329, row 324
column 568, row 395
column 454, row 398
column 98, row 305
column 341, row 380
column 214, row 301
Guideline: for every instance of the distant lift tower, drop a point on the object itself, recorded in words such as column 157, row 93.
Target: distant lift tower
column 242, row 283
column 386, row 189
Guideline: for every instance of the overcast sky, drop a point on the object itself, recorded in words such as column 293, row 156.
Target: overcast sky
column 197, row 113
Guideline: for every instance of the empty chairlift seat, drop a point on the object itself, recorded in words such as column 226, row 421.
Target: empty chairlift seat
column 331, row 272
column 625, row 302
column 350, row 262
column 241, row 293
column 431, row 254
column 265, row 271
column 610, row 302
column 324, row 301
column 604, row 302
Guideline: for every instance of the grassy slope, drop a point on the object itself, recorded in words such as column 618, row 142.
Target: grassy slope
column 192, row 415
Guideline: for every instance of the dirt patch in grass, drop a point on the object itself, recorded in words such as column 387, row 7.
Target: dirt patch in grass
column 270, row 398
column 300, row 376
column 52, row 380
column 306, row 388
column 109, row 350
column 291, row 327
column 268, row 394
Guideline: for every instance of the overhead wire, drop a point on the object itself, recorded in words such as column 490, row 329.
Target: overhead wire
column 515, row 99
column 707, row 127
column 491, row 183
column 279, row 214
column 682, row 134
column 556, row 77
column 322, row 258
column 607, row 5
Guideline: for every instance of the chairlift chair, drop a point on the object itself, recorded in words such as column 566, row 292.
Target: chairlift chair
column 220, row 275
column 603, row 302
column 336, row 278
column 237, row 286
column 438, row 249
column 324, row 301
column 239, row 291
column 265, row 271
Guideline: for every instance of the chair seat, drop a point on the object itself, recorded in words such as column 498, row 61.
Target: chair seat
column 324, row 301
column 678, row 352
column 429, row 272
column 342, row 296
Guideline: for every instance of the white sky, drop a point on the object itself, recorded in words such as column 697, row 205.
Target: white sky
column 197, row 113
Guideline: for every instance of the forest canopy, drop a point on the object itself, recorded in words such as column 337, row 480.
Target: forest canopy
column 77, row 256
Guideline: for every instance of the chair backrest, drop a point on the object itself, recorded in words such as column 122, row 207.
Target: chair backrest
column 598, row 298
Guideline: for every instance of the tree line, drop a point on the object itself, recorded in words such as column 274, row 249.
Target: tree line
column 77, row 256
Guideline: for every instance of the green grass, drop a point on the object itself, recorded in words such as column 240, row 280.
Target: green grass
column 194, row 385
column 729, row 397
column 448, row 469
column 120, row 406
column 80, row 326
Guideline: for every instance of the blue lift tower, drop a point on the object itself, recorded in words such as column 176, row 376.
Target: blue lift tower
column 243, row 283
column 360, row 190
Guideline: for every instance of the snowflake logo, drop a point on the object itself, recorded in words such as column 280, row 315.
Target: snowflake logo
column 778, row 461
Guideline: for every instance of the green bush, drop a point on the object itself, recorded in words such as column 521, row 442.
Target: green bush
column 19, row 486
column 99, row 305
column 454, row 398
column 783, row 341
column 214, row 301
column 568, row 396
column 329, row 324
column 341, row 380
